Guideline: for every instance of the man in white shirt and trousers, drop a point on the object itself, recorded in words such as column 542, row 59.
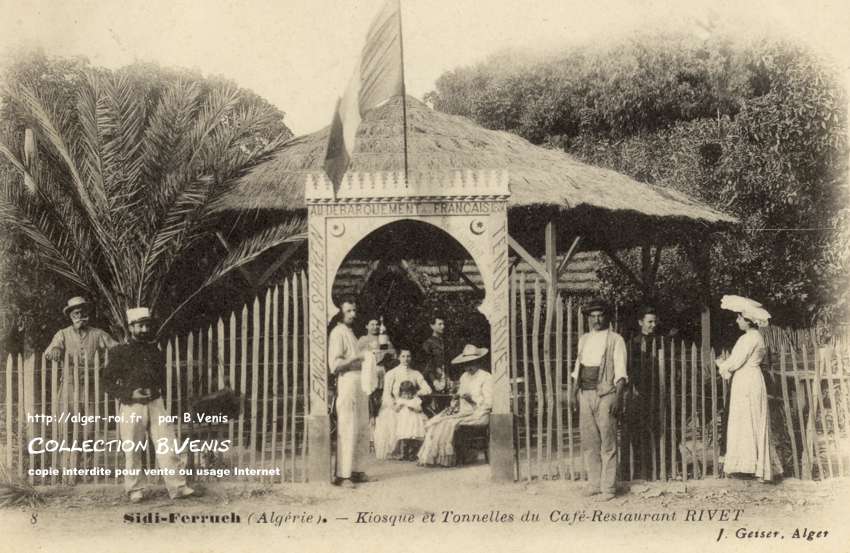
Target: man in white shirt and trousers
column 352, row 401
column 600, row 377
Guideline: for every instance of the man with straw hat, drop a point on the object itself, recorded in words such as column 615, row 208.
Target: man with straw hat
column 79, row 340
column 135, row 375
column 600, row 377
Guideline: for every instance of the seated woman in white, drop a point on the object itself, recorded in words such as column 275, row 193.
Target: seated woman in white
column 471, row 408
column 385, row 426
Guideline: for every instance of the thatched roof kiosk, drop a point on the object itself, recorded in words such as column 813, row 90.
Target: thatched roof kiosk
column 609, row 210
column 550, row 197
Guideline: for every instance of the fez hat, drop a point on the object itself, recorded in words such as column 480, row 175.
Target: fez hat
column 138, row 315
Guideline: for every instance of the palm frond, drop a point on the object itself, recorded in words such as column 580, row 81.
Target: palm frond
column 80, row 191
column 53, row 133
column 47, row 247
column 245, row 252
column 18, row 164
column 213, row 113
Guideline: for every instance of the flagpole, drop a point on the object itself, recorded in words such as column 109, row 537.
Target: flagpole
column 403, row 90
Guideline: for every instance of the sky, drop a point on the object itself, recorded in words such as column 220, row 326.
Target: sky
column 299, row 54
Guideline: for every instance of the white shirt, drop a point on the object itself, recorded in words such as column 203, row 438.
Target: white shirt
column 592, row 346
column 342, row 346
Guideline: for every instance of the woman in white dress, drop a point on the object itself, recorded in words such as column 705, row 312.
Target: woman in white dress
column 471, row 407
column 749, row 448
column 385, row 425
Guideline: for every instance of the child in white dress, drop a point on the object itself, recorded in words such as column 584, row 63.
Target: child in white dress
column 410, row 421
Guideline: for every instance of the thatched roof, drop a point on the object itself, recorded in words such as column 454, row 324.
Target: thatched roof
column 438, row 142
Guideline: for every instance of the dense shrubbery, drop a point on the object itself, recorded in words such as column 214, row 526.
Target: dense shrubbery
column 757, row 130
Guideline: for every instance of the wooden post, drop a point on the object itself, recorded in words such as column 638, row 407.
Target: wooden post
column 787, row 406
column 274, row 369
column 526, row 395
column 514, row 367
column 551, row 293
column 285, row 377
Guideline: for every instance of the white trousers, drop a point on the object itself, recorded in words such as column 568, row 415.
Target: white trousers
column 352, row 423
column 137, row 421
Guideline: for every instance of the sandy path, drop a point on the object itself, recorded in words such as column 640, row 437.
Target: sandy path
column 88, row 518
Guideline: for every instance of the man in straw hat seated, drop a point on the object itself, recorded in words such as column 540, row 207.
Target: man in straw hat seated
column 600, row 377
column 79, row 340
column 136, row 376
column 468, row 415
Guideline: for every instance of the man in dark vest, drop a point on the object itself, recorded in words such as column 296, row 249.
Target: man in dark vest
column 600, row 377
column 135, row 374
column 642, row 419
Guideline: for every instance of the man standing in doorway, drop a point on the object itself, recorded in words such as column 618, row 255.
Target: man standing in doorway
column 352, row 403
column 434, row 365
column 135, row 375
column 434, row 348
column 600, row 377
column 641, row 417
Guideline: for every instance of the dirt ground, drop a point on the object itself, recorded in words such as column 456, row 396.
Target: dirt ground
column 92, row 518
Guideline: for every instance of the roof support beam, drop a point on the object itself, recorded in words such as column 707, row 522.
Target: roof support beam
column 655, row 262
column 471, row 284
column 528, row 258
column 700, row 256
column 625, row 268
column 570, row 253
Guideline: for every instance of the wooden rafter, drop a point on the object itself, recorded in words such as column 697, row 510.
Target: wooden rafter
column 625, row 268
column 528, row 258
column 570, row 253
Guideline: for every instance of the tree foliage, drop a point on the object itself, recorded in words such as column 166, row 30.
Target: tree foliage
column 756, row 129
column 117, row 183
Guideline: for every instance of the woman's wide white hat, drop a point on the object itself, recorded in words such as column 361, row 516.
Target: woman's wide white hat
column 470, row 353
column 749, row 309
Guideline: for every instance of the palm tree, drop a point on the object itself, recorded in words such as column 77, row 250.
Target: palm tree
column 129, row 183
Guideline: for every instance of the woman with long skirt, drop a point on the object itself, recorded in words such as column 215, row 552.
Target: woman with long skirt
column 749, row 448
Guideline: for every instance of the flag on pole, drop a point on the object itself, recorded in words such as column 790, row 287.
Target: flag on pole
column 379, row 76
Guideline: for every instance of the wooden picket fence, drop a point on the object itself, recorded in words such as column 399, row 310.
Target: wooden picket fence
column 808, row 400
column 260, row 352
column 814, row 386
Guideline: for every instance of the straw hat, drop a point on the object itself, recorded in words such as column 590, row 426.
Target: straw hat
column 470, row 353
column 74, row 303
column 749, row 309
